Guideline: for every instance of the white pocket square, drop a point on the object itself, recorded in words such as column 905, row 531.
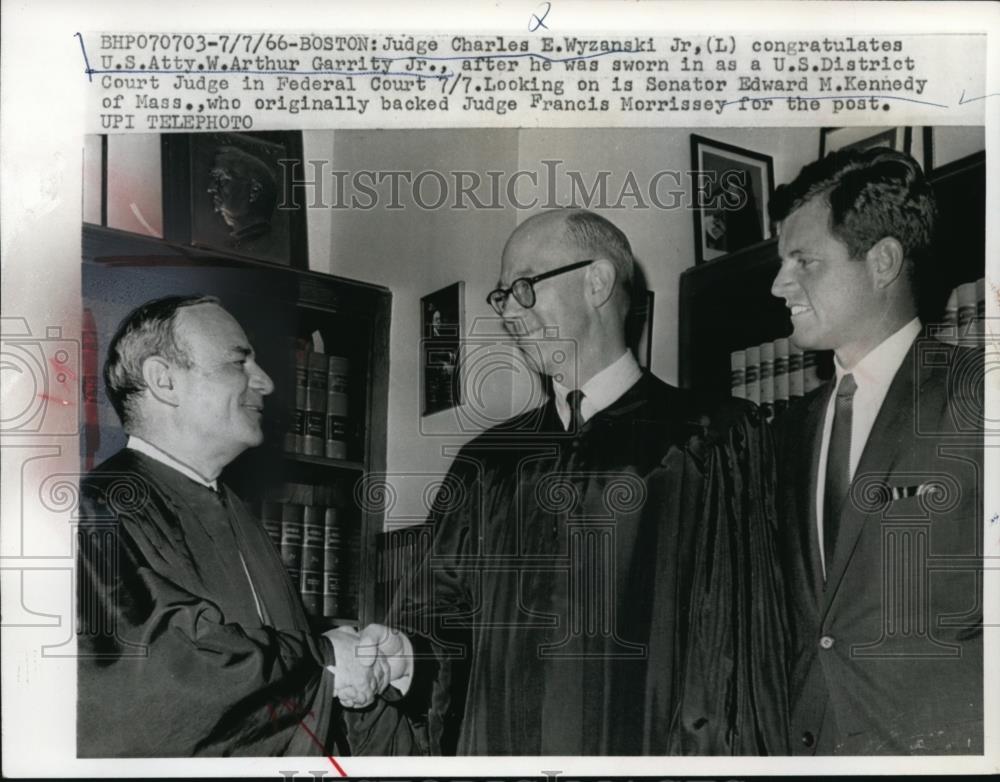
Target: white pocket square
column 902, row 492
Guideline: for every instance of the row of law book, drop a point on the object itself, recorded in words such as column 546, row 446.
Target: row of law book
column 320, row 545
column 773, row 373
column 321, row 425
column 965, row 312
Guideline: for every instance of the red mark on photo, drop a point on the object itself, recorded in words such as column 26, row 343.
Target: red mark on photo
column 293, row 707
column 54, row 400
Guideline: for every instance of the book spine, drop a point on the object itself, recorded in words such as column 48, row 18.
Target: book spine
column 351, row 573
column 949, row 331
column 337, row 422
column 315, row 409
column 738, row 374
column 295, row 442
column 767, row 380
column 966, row 306
column 311, row 582
column 796, row 381
column 331, row 563
column 781, row 386
column 270, row 519
column 752, row 376
column 291, row 539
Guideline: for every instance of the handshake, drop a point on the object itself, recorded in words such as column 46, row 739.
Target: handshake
column 368, row 662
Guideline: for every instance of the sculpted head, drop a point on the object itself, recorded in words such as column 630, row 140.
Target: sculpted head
column 244, row 191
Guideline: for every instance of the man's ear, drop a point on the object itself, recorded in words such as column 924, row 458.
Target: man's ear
column 885, row 258
column 158, row 375
column 600, row 282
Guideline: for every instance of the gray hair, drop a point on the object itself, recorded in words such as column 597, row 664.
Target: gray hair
column 599, row 237
column 149, row 330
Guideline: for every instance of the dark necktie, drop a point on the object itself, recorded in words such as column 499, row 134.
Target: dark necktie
column 838, row 464
column 575, row 399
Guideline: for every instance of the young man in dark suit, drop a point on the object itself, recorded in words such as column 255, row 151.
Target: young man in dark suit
column 880, row 474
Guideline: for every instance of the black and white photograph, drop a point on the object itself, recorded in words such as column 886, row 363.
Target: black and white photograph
column 605, row 485
column 229, row 192
column 832, row 139
column 442, row 327
column 350, row 433
column 732, row 191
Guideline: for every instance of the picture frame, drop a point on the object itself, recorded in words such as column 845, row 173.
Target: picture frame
column 732, row 189
column 233, row 194
column 899, row 138
column 926, row 156
column 442, row 323
column 639, row 329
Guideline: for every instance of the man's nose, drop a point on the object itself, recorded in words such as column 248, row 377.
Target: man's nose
column 513, row 317
column 783, row 280
column 260, row 381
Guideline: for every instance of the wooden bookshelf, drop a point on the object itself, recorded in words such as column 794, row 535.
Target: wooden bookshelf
column 726, row 304
column 275, row 304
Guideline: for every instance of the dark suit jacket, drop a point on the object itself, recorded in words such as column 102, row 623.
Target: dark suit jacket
column 886, row 655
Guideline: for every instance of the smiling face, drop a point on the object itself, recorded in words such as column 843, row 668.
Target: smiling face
column 221, row 396
column 548, row 332
column 832, row 297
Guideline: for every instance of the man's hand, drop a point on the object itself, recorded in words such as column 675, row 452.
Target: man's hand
column 358, row 677
column 381, row 643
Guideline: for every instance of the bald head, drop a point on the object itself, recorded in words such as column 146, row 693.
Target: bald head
column 585, row 303
column 587, row 233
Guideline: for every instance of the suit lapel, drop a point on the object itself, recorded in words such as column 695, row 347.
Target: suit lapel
column 892, row 430
column 807, row 467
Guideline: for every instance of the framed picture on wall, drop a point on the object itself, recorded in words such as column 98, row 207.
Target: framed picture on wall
column 442, row 316
column 639, row 329
column 233, row 193
column 832, row 139
column 732, row 190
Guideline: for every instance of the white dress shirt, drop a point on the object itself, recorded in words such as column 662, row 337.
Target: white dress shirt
column 873, row 375
column 604, row 388
column 142, row 446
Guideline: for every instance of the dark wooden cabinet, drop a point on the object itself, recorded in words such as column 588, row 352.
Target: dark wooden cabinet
column 726, row 304
column 276, row 305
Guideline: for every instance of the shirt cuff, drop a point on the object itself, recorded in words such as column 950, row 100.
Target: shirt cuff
column 343, row 647
column 405, row 679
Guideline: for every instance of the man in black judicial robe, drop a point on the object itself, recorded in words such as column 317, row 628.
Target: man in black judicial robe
column 592, row 562
column 191, row 638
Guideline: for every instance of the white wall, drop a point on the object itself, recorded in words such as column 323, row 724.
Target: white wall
column 415, row 252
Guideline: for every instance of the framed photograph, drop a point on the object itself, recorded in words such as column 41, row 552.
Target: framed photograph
column 922, row 148
column 832, row 139
column 230, row 193
column 639, row 329
column 732, row 190
column 442, row 317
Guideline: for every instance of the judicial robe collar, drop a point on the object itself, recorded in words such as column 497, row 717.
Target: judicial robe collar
column 164, row 458
column 601, row 391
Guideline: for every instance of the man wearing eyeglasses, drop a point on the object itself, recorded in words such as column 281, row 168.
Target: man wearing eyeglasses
column 554, row 615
